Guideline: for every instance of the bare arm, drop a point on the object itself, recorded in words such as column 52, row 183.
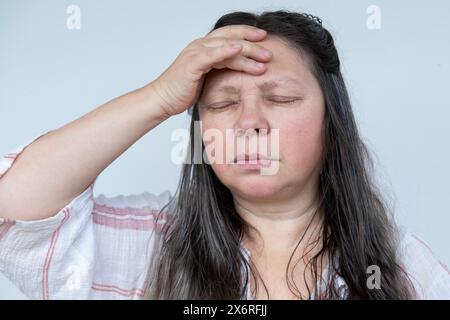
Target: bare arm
column 54, row 169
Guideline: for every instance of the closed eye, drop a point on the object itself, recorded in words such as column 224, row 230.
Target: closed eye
column 282, row 100
column 219, row 106
column 273, row 99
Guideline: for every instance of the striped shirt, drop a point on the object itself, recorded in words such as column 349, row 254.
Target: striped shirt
column 101, row 247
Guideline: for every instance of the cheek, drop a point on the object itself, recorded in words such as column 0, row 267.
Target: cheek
column 214, row 141
column 301, row 143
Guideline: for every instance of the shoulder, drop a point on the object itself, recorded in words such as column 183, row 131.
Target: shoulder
column 429, row 274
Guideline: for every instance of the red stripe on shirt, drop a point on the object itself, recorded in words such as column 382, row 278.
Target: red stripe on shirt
column 50, row 252
column 11, row 155
column 142, row 211
column 116, row 289
column 128, row 223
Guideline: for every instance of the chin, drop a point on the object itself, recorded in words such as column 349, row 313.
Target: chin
column 255, row 187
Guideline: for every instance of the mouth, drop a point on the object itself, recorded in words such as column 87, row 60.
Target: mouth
column 253, row 161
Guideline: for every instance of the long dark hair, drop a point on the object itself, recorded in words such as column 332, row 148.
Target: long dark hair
column 200, row 255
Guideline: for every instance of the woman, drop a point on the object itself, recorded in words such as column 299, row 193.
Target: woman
column 315, row 227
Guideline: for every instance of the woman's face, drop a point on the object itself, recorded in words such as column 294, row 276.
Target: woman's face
column 283, row 106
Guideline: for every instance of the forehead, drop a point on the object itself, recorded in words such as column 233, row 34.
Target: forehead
column 286, row 68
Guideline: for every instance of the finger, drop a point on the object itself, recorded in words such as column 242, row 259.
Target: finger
column 227, row 56
column 240, row 63
column 249, row 49
column 209, row 56
column 239, row 32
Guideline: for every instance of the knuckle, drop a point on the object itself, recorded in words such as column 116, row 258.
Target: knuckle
column 209, row 53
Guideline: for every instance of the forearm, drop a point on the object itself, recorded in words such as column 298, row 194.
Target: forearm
column 55, row 168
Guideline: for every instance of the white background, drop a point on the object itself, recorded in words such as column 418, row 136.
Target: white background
column 398, row 78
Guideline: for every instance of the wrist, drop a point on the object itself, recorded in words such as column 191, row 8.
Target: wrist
column 156, row 100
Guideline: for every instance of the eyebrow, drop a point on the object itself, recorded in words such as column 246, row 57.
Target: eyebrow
column 265, row 86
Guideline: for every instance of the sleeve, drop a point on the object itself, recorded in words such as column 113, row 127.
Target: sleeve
column 429, row 275
column 94, row 247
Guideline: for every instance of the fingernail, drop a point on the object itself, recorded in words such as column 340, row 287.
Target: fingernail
column 259, row 65
column 261, row 31
column 266, row 53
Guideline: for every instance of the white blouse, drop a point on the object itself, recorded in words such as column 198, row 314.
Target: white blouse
column 101, row 248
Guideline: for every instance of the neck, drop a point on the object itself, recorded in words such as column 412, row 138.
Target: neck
column 276, row 229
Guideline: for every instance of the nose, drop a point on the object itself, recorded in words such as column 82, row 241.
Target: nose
column 251, row 120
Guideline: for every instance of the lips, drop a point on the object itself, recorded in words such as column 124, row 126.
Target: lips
column 252, row 158
column 246, row 157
